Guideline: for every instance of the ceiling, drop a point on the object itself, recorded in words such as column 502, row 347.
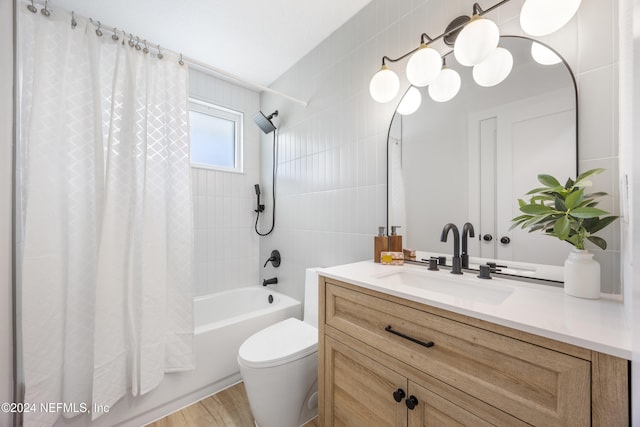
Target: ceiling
column 255, row 40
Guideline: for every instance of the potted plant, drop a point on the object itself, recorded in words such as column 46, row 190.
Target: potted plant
column 569, row 214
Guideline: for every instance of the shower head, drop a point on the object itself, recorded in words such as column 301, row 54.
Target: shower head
column 264, row 122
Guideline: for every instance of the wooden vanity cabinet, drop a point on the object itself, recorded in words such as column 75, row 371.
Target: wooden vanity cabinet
column 437, row 368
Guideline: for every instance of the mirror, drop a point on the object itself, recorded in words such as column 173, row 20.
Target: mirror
column 471, row 158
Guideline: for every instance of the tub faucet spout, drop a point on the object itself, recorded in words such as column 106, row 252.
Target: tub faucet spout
column 456, row 261
column 272, row 281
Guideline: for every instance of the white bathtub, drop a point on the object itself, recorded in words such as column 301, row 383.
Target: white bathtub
column 223, row 321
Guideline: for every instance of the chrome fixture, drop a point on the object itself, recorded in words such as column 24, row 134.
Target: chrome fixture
column 475, row 44
column 456, row 262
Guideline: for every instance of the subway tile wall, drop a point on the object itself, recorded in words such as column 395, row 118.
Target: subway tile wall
column 226, row 247
column 331, row 181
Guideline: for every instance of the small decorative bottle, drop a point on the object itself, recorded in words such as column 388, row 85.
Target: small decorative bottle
column 395, row 240
column 380, row 244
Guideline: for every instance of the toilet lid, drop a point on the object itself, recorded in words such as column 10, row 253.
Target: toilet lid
column 278, row 344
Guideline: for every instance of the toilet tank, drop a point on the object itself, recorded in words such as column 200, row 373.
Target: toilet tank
column 311, row 296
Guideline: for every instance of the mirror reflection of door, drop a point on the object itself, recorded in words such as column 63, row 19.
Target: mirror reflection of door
column 528, row 137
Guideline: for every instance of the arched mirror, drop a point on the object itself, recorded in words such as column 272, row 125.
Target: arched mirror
column 469, row 159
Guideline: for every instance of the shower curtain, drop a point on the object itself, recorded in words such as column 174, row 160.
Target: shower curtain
column 104, row 204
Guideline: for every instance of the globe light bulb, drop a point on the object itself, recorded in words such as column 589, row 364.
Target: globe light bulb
column 410, row 102
column 384, row 85
column 494, row 69
column 446, row 86
column 476, row 41
column 542, row 17
column 424, row 66
column 543, row 55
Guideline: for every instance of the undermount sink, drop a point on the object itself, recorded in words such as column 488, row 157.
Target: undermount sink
column 465, row 286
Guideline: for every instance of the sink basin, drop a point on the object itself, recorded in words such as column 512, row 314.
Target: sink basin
column 465, row 286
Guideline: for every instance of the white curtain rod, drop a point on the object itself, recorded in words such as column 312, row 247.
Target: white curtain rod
column 146, row 44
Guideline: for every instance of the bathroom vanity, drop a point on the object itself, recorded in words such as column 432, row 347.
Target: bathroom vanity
column 403, row 346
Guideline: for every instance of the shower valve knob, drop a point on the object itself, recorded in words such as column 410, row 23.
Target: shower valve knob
column 274, row 259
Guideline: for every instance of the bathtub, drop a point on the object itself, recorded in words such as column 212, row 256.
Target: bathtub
column 223, row 321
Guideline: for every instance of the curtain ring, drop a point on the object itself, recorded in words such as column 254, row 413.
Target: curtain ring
column 98, row 30
column 138, row 43
column 74, row 23
column 146, row 47
column 45, row 11
column 32, row 8
column 160, row 55
column 114, row 36
column 131, row 43
column 181, row 62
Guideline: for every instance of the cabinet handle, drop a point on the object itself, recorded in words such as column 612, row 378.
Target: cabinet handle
column 398, row 395
column 407, row 337
column 411, row 402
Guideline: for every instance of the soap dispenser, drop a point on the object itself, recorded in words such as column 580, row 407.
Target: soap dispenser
column 395, row 240
column 380, row 244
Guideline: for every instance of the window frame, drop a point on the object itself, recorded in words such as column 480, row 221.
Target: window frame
column 237, row 117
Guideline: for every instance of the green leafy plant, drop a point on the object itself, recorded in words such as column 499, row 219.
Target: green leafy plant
column 565, row 211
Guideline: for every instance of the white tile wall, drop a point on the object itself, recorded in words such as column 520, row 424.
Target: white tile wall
column 226, row 247
column 332, row 162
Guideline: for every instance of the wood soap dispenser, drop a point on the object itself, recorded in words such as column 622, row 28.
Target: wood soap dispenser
column 380, row 244
column 395, row 240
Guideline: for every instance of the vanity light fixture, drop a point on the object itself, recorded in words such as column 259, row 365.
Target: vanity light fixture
column 424, row 66
column 543, row 55
column 475, row 43
column 384, row 85
column 493, row 70
column 446, row 86
column 410, row 102
column 477, row 39
column 542, row 17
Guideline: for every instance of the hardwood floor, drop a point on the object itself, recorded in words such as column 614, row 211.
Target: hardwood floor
column 229, row 408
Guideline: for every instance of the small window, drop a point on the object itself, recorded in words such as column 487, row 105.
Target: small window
column 216, row 137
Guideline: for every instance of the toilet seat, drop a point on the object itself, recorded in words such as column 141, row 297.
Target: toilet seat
column 279, row 344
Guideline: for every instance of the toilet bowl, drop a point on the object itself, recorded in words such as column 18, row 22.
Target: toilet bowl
column 279, row 366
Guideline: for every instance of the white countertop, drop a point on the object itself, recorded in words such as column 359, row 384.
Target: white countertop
column 601, row 325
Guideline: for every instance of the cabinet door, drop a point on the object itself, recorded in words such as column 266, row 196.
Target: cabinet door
column 433, row 410
column 360, row 392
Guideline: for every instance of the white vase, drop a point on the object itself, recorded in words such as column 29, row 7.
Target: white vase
column 582, row 275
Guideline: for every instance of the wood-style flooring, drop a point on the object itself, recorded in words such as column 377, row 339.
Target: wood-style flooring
column 229, row 408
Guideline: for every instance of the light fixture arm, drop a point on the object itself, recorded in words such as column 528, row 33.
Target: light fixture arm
column 477, row 10
column 424, row 38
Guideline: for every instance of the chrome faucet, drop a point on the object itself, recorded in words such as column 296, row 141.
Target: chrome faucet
column 456, row 262
column 467, row 231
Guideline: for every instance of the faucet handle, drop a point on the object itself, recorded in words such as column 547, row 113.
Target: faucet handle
column 485, row 272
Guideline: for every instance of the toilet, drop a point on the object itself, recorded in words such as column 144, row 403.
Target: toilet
column 279, row 366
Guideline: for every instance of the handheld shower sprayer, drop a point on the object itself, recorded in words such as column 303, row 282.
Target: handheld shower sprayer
column 265, row 124
column 259, row 207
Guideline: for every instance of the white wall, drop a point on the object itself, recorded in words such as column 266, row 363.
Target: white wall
column 332, row 163
column 226, row 247
column 6, row 125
